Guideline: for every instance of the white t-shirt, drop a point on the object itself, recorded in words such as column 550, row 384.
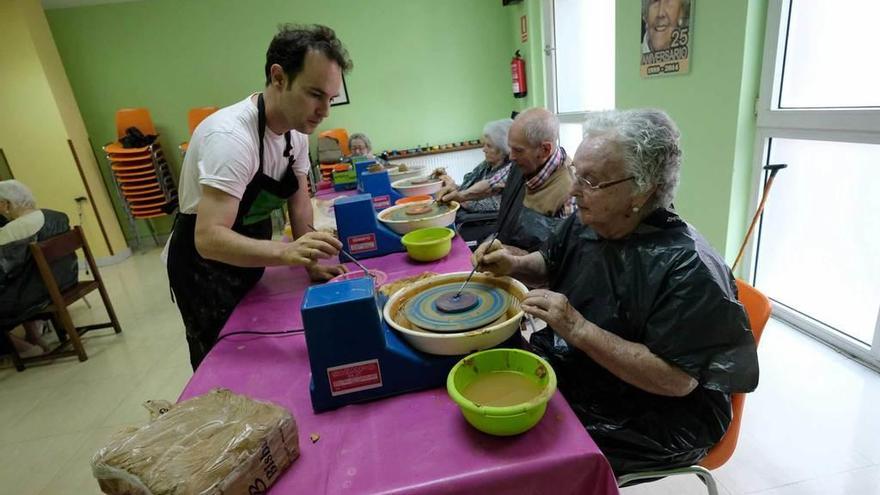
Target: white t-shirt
column 22, row 227
column 224, row 153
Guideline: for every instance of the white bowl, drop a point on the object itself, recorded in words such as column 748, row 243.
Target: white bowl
column 411, row 173
column 407, row 226
column 456, row 344
column 416, row 189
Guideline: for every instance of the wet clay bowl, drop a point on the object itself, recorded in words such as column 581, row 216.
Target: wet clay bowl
column 456, row 343
column 394, row 173
column 407, row 217
column 413, row 199
column 428, row 244
column 502, row 391
column 417, row 185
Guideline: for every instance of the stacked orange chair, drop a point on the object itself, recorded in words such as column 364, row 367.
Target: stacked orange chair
column 340, row 135
column 142, row 176
column 195, row 117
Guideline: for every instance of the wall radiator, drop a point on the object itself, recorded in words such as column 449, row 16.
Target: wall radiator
column 456, row 163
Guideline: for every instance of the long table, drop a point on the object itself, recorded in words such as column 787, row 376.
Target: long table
column 414, row 443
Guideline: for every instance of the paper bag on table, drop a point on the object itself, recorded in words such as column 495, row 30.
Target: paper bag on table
column 216, row 443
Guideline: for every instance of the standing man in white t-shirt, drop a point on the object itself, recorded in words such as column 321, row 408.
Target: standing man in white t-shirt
column 243, row 162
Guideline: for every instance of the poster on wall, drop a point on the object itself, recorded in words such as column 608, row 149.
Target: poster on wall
column 666, row 37
column 342, row 97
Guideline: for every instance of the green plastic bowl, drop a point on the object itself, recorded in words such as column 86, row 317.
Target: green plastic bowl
column 429, row 244
column 508, row 420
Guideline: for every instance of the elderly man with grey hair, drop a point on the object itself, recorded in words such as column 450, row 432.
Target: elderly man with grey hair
column 644, row 330
column 536, row 189
column 478, row 193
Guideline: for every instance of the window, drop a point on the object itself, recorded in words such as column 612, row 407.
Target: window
column 583, row 44
column 816, row 251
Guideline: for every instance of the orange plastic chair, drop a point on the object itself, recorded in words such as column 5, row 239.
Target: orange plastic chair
column 134, row 117
column 341, row 136
column 197, row 115
column 758, row 309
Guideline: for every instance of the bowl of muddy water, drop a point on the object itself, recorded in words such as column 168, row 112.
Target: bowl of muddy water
column 502, row 391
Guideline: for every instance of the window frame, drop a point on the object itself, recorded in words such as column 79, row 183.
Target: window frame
column 849, row 125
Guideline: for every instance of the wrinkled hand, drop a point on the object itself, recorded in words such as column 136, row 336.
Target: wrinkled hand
column 310, row 247
column 494, row 258
column 447, row 181
column 553, row 308
column 447, row 193
column 322, row 273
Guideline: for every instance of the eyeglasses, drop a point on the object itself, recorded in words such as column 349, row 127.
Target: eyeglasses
column 586, row 184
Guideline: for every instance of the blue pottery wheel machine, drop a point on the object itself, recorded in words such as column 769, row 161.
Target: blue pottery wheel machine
column 354, row 355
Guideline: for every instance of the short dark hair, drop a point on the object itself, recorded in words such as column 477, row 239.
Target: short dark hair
column 290, row 46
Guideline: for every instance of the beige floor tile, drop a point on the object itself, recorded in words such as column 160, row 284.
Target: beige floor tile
column 865, row 481
column 674, row 485
column 76, row 406
column 75, row 475
column 160, row 383
column 26, row 467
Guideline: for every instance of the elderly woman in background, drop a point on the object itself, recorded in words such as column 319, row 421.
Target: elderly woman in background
column 359, row 145
column 21, row 287
column 644, row 330
column 477, row 193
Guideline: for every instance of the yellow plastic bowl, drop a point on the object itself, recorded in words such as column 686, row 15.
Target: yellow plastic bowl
column 505, row 420
column 429, row 244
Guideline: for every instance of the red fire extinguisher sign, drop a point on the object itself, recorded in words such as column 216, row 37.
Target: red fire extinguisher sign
column 518, row 74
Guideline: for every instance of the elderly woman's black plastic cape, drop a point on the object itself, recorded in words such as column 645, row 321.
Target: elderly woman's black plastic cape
column 665, row 287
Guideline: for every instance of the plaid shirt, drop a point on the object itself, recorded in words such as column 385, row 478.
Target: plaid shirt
column 553, row 163
column 499, row 179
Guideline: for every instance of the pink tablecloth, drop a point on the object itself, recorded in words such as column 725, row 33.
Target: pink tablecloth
column 413, row 443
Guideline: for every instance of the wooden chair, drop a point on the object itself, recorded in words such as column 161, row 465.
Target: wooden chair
column 758, row 310
column 44, row 253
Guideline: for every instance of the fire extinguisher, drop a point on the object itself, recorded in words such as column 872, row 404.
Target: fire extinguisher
column 518, row 73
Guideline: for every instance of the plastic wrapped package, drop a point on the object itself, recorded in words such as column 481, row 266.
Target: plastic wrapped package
column 216, row 443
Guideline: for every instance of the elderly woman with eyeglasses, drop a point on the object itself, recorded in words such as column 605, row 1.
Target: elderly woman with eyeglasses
column 644, row 330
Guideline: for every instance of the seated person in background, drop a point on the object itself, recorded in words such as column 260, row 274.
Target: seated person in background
column 536, row 189
column 21, row 287
column 644, row 331
column 476, row 193
column 359, row 145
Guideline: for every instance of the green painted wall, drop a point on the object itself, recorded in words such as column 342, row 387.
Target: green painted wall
column 744, row 166
column 713, row 106
column 425, row 71
column 532, row 50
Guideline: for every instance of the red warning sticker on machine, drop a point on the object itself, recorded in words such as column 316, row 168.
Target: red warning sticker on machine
column 354, row 377
column 381, row 202
column 361, row 243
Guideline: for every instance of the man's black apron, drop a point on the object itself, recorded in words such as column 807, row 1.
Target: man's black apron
column 207, row 291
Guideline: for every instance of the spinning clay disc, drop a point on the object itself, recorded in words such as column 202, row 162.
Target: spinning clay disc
column 434, row 310
column 456, row 303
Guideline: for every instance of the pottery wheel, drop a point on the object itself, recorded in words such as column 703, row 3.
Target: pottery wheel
column 422, row 181
column 424, row 211
column 436, row 309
